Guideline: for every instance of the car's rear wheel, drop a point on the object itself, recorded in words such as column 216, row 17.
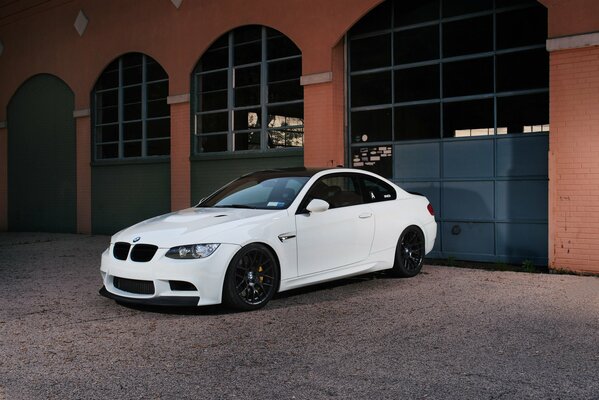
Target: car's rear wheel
column 409, row 253
column 252, row 278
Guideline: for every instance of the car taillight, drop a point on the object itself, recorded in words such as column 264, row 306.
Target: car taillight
column 430, row 209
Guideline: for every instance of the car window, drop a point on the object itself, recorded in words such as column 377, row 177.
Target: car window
column 337, row 190
column 376, row 190
column 252, row 192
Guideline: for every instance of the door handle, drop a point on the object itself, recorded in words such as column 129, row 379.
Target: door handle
column 365, row 215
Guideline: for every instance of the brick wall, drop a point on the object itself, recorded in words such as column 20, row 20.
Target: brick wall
column 574, row 160
column 180, row 142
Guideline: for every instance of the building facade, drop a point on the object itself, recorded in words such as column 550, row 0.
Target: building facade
column 114, row 111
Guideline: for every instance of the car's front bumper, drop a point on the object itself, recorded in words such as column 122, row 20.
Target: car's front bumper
column 206, row 275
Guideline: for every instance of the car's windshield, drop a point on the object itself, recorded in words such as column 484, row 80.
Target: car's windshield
column 257, row 191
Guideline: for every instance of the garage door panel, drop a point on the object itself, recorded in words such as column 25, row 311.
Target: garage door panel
column 468, row 158
column 522, row 240
column 432, row 191
column 522, row 155
column 467, row 200
column 417, row 161
column 468, row 237
column 525, row 200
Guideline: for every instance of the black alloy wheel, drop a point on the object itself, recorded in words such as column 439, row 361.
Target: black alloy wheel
column 409, row 253
column 252, row 278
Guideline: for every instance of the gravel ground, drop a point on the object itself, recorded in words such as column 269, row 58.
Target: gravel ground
column 447, row 333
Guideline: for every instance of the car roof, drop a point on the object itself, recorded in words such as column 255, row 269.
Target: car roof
column 299, row 171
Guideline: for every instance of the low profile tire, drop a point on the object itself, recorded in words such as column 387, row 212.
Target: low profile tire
column 409, row 253
column 252, row 278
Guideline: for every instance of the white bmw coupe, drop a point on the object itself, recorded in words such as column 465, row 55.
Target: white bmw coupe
column 268, row 232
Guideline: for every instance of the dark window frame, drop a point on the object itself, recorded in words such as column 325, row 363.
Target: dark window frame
column 121, row 121
column 264, row 133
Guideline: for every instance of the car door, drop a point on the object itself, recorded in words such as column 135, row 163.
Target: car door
column 339, row 236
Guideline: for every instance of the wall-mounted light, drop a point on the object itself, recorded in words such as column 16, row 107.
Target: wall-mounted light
column 80, row 23
column 177, row 3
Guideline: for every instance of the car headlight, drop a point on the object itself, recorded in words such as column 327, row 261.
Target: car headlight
column 191, row 251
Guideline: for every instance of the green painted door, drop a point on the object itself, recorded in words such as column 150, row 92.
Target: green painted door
column 42, row 157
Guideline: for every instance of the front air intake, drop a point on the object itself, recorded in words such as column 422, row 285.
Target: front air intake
column 133, row 285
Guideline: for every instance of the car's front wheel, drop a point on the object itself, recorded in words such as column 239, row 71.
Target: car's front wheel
column 409, row 253
column 252, row 278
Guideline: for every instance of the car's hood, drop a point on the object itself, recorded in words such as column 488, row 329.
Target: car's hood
column 193, row 225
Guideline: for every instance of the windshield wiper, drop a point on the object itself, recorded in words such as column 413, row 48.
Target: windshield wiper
column 234, row 206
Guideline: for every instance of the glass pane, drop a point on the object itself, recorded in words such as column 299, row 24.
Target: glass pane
column 214, row 59
column 222, row 41
column 522, row 27
column 451, row 8
column 214, row 122
column 107, row 115
column 212, row 81
column 526, row 113
column 132, row 111
column 108, row 99
column 377, row 159
column 108, row 80
column 468, row 36
column 158, row 128
column 468, row 118
column 417, row 83
column 247, row 34
column 213, row 100
column 415, row 45
column 131, row 75
column 158, row 108
column 377, row 190
column 246, row 119
column 132, row 149
column 284, row 70
column 286, row 115
column 107, row 151
column 279, row 47
column 246, row 141
column 414, row 12
column 246, row 76
column 158, row 147
column 132, row 59
column 132, row 130
column 107, row 133
column 155, row 72
column 371, row 126
column 417, row 122
column 285, row 91
column 370, row 52
column 156, row 91
column 370, row 89
column 463, row 78
column 523, row 70
column 509, row 3
column 247, row 53
column 377, row 19
column 285, row 137
column 132, row 94
column 247, row 96
column 208, row 144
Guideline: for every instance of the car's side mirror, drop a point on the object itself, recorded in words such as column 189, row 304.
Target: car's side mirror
column 317, row 205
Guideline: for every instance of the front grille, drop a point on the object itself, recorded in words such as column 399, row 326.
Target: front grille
column 133, row 285
column 121, row 250
column 143, row 252
column 181, row 285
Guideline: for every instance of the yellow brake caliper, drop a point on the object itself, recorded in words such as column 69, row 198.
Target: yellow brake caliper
column 260, row 277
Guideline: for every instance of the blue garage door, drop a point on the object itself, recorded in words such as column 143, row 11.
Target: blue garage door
column 448, row 98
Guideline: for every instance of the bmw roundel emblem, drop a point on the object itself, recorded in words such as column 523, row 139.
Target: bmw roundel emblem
column 136, row 239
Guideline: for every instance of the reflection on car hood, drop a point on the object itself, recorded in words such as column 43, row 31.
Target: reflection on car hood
column 192, row 225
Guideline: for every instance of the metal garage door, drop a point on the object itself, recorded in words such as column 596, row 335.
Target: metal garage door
column 448, row 98
column 41, row 157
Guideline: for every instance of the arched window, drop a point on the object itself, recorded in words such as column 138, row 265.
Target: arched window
column 131, row 117
column 247, row 93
